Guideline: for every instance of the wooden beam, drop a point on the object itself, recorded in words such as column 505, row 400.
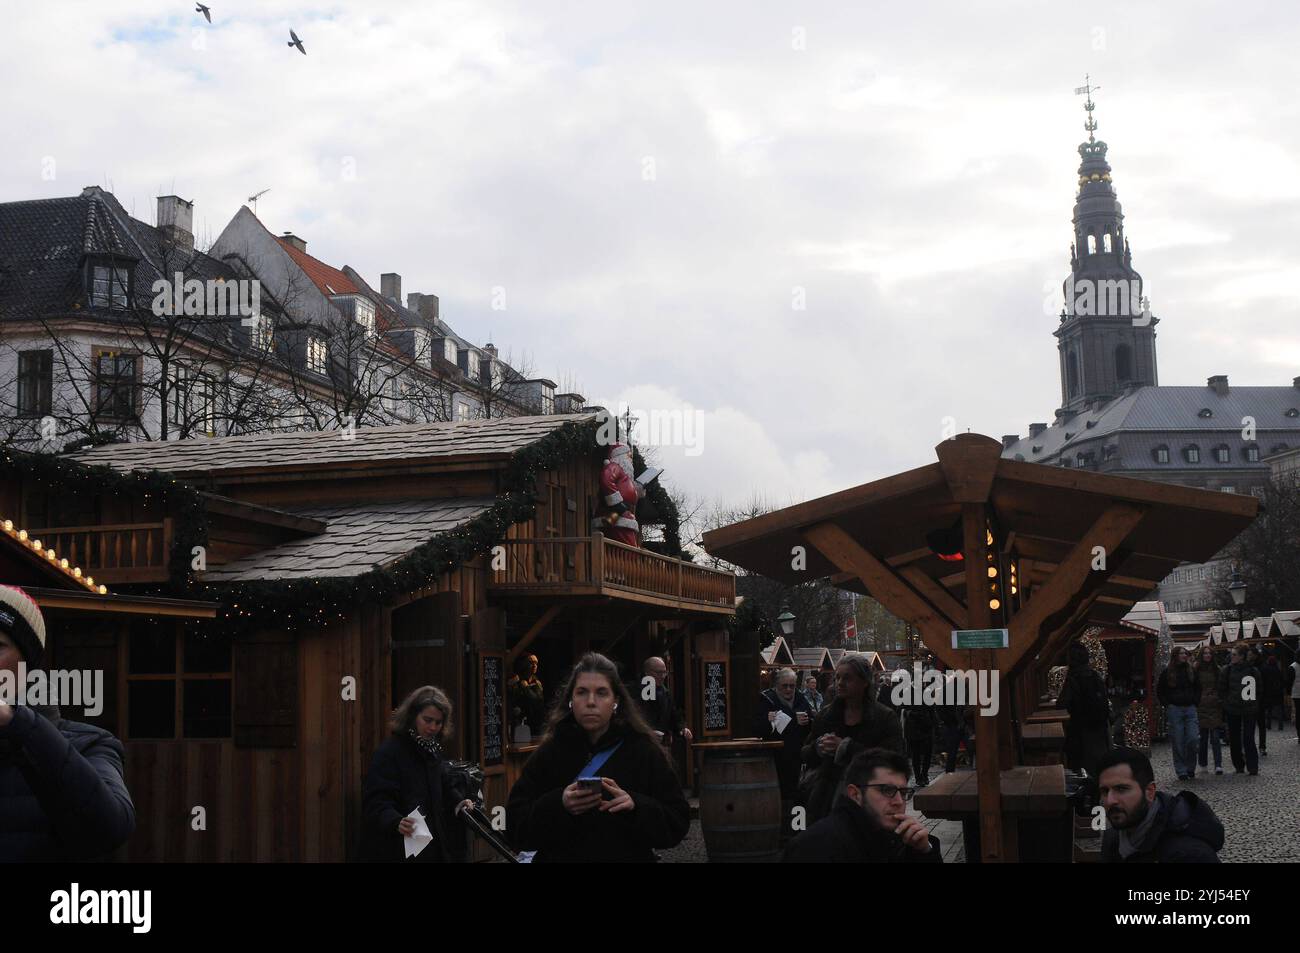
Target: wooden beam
column 887, row 588
column 969, row 463
column 940, row 597
column 1074, row 577
column 545, row 619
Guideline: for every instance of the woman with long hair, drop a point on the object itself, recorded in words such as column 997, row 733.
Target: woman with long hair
column 409, row 772
column 853, row 722
column 1209, row 710
column 1087, row 733
column 599, row 787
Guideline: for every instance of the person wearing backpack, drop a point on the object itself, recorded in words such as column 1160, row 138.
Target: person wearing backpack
column 1087, row 733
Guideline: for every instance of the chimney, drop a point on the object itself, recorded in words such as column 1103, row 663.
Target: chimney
column 424, row 305
column 1036, row 429
column 1010, row 440
column 289, row 238
column 1295, row 382
column 176, row 220
column 1220, row 384
column 490, row 349
column 390, row 286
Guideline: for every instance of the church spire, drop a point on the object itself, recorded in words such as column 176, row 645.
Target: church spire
column 1106, row 337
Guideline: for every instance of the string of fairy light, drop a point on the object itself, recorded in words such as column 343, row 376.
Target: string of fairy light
column 48, row 553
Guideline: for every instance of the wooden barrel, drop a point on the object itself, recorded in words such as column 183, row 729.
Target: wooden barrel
column 740, row 804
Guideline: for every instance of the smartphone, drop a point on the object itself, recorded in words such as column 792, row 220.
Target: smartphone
column 590, row 783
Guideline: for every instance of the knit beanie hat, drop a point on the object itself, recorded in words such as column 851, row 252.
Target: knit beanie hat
column 21, row 620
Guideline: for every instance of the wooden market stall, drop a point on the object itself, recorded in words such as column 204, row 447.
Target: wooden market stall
column 316, row 578
column 976, row 542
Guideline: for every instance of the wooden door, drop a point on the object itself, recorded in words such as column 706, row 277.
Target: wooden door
column 428, row 645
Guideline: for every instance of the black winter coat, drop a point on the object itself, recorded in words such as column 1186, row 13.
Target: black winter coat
column 1186, row 831
column 1271, row 689
column 879, row 728
column 1232, row 680
column 1178, row 685
column 537, row 820
column 63, row 794
column 848, row 836
column 789, row 757
column 402, row 777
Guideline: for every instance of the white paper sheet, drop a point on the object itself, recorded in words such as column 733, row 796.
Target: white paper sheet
column 421, row 838
column 782, row 719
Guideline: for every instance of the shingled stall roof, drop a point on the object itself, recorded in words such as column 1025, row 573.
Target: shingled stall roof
column 356, row 539
column 317, row 452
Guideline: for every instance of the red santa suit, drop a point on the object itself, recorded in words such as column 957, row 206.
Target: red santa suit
column 620, row 492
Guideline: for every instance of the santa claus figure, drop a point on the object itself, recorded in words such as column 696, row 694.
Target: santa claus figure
column 621, row 492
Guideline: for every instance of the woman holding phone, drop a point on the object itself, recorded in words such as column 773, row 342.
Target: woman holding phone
column 409, row 771
column 599, row 788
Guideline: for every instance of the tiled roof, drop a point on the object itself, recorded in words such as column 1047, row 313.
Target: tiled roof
column 42, row 243
column 359, row 538
column 329, row 280
column 497, row 437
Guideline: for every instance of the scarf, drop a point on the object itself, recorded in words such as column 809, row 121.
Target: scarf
column 1130, row 842
column 429, row 746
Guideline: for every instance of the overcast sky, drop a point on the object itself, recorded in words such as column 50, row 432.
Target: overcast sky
column 657, row 187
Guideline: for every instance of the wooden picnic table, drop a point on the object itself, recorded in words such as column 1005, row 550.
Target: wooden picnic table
column 1043, row 742
column 1033, row 795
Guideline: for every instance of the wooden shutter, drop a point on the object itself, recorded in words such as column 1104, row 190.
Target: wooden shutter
column 266, row 691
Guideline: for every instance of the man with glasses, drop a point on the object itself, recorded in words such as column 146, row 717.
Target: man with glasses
column 869, row 823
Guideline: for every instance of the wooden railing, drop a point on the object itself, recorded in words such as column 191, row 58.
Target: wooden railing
column 594, row 563
column 131, row 552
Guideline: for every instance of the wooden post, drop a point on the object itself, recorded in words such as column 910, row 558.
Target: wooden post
column 987, row 757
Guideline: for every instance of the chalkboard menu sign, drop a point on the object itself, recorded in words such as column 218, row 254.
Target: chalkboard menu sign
column 492, row 691
column 714, row 696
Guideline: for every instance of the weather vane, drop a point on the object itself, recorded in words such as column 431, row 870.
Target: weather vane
column 1087, row 90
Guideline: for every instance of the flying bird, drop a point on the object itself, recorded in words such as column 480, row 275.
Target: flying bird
column 296, row 42
column 206, row 11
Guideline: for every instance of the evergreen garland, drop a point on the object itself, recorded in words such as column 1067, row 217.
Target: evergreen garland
column 296, row 603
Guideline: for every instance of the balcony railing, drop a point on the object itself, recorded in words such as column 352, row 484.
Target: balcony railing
column 131, row 552
column 594, row 565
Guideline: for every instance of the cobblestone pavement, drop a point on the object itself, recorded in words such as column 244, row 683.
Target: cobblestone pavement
column 1261, row 815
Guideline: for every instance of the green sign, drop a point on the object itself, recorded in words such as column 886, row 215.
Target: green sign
column 980, row 639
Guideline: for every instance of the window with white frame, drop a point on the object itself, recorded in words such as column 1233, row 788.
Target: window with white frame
column 108, row 287
column 317, row 355
column 261, row 333
column 548, row 400
column 193, row 400
column 449, row 350
column 363, row 313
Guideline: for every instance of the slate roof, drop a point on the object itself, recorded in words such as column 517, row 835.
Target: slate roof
column 43, row 243
column 497, row 437
column 1159, row 411
column 359, row 538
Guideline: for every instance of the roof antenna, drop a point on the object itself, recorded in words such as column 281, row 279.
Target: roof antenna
column 253, row 199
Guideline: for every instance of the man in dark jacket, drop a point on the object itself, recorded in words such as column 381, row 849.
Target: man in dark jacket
column 1149, row 826
column 62, row 792
column 660, row 709
column 1239, row 689
column 1179, row 691
column 869, row 823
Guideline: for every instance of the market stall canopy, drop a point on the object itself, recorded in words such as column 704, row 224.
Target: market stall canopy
column 1045, row 516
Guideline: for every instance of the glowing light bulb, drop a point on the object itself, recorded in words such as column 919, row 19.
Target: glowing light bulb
column 90, row 581
column 993, row 572
column 63, row 563
column 103, row 590
column 994, row 604
column 22, row 534
column 36, row 545
column 9, row 526
column 77, row 572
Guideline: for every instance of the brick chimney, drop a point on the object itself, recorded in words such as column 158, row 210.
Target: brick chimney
column 1220, row 384
column 390, row 286
column 424, row 305
column 1036, row 429
column 176, row 221
column 289, row 238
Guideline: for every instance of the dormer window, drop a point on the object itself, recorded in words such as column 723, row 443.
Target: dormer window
column 449, row 350
column 1222, row 454
column 364, row 314
column 261, row 333
column 1192, row 454
column 548, row 400
column 109, row 287
column 1252, row 454
column 1162, row 454
column 1293, row 412
column 317, row 355
column 1205, row 413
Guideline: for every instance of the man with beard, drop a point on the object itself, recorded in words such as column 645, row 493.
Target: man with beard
column 1144, row 825
column 869, row 823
